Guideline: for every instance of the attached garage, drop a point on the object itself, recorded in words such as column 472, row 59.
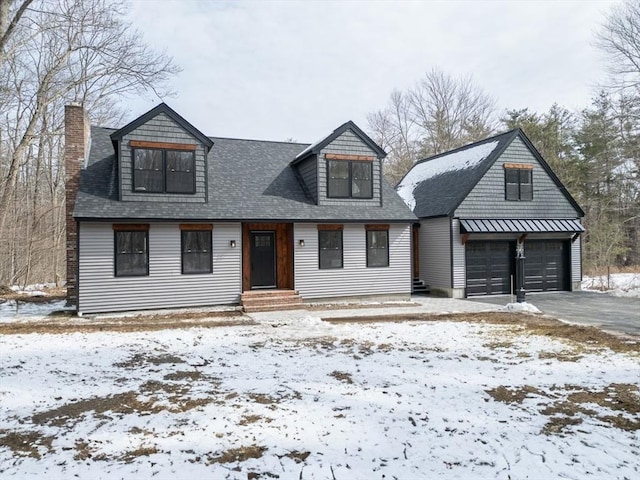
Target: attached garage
column 546, row 266
column 490, row 265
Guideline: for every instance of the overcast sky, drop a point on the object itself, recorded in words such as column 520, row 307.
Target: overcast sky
column 297, row 69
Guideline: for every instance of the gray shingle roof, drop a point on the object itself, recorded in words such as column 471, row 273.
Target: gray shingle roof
column 441, row 193
column 315, row 148
column 248, row 180
column 443, row 189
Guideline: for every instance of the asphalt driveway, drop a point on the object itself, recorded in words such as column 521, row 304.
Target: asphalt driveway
column 618, row 314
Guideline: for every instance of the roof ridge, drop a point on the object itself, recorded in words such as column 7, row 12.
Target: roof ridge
column 257, row 140
column 469, row 145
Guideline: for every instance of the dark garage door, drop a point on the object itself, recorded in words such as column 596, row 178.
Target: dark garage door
column 489, row 267
column 546, row 265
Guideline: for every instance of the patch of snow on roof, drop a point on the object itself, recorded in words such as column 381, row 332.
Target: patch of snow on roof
column 310, row 147
column 460, row 160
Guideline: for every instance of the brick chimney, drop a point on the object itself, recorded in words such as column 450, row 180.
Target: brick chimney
column 76, row 141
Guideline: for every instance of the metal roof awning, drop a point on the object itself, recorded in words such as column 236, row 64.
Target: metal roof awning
column 484, row 225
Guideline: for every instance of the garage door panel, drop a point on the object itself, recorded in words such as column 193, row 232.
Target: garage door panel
column 489, row 267
column 546, row 265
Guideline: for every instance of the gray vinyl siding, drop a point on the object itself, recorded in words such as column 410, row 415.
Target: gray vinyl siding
column 435, row 252
column 576, row 261
column 348, row 144
column 308, row 170
column 165, row 286
column 458, row 255
column 487, row 198
column 161, row 128
column 354, row 279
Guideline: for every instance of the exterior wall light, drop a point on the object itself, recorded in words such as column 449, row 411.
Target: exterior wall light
column 232, row 243
column 301, row 243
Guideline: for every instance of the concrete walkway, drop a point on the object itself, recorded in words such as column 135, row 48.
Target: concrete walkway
column 425, row 305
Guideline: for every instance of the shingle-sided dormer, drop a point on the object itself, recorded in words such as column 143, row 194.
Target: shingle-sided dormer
column 162, row 157
column 343, row 168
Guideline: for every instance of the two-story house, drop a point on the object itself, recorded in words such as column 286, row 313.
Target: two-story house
column 161, row 216
column 484, row 205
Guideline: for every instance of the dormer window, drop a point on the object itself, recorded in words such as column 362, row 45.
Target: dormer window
column 163, row 170
column 349, row 179
column 518, row 181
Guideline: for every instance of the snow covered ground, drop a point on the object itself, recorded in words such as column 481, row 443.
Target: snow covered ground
column 304, row 399
column 618, row 284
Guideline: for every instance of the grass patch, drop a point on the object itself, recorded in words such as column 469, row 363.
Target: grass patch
column 296, row 456
column 563, row 356
column 514, row 394
column 569, row 405
column 141, row 359
column 184, row 375
column 342, row 376
column 132, row 455
column 174, row 398
column 249, row 419
column 240, row 454
column 26, row 444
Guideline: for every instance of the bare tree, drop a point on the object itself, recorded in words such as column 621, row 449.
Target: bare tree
column 56, row 52
column 438, row 114
column 619, row 39
column 450, row 112
column 394, row 130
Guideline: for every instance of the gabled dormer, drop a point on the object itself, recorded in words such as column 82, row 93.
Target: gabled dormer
column 161, row 157
column 343, row 168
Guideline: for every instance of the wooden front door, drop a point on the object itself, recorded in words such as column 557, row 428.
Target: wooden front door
column 267, row 256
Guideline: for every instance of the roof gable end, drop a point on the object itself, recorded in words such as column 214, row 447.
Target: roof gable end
column 550, row 172
column 316, row 147
column 163, row 108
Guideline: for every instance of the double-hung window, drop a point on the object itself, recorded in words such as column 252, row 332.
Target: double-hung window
column 349, row 179
column 377, row 245
column 196, row 249
column 131, row 250
column 330, row 246
column 518, row 181
column 162, row 170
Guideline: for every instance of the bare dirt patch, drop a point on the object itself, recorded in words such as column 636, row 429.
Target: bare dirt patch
column 522, row 322
column 138, row 323
column 357, row 305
